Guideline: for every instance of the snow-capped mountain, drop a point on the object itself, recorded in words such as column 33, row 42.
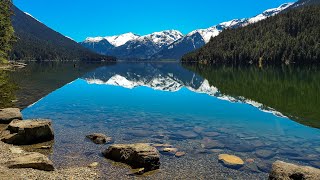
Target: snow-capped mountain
column 130, row 45
column 268, row 13
column 169, row 44
column 116, row 41
column 120, row 40
column 187, row 44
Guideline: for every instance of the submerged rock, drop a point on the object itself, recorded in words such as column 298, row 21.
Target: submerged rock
column 265, row 154
column 138, row 155
column 31, row 160
column 9, row 114
column 208, row 143
column 180, row 154
column 181, row 135
column 264, row 166
column 29, row 132
column 210, row 134
column 99, row 138
column 286, row 171
column 231, row 161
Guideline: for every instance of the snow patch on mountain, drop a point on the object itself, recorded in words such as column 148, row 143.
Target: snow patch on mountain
column 32, row 17
column 116, row 41
column 121, row 39
column 214, row 31
column 269, row 12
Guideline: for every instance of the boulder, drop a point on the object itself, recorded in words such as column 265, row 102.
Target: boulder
column 231, row 161
column 31, row 160
column 9, row 114
column 138, row 155
column 28, row 132
column 99, row 138
column 287, row 171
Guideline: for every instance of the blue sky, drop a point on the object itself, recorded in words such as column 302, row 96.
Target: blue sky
column 79, row 19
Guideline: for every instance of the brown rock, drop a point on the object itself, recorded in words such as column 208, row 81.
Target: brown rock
column 31, row 160
column 170, row 150
column 250, row 160
column 99, row 138
column 231, row 161
column 9, row 114
column 29, row 132
column 138, row 155
column 180, row 154
column 286, row 171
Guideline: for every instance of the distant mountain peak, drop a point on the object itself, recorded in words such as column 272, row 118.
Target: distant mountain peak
column 116, row 41
column 122, row 39
column 163, row 37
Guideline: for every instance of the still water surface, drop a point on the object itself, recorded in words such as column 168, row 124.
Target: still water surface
column 166, row 103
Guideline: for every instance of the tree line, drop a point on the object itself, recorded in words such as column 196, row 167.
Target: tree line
column 290, row 37
column 6, row 30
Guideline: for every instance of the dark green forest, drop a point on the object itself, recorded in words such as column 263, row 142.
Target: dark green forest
column 293, row 91
column 287, row 38
column 6, row 30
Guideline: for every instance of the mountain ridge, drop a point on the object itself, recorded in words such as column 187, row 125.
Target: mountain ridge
column 36, row 41
column 181, row 44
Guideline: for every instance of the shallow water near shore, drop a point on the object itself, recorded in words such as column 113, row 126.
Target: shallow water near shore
column 166, row 103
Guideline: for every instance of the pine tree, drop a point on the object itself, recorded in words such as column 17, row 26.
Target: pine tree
column 6, row 29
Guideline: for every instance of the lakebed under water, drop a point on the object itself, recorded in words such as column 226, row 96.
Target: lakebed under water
column 166, row 103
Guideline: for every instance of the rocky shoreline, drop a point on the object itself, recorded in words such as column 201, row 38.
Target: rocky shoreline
column 19, row 163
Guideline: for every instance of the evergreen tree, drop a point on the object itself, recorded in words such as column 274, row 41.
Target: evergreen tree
column 6, row 30
column 288, row 38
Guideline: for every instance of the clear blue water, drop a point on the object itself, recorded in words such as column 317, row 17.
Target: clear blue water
column 164, row 103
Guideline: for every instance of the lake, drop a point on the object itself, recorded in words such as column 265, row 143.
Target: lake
column 259, row 115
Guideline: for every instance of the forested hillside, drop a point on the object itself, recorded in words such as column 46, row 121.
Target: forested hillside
column 35, row 41
column 6, row 30
column 290, row 37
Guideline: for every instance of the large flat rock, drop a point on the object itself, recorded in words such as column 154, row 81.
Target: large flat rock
column 9, row 114
column 31, row 160
column 286, row 171
column 138, row 155
column 29, row 132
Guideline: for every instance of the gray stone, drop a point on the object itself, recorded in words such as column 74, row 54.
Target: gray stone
column 138, row 155
column 265, row 154
column 99, row 138
column 29, row 132
column 9, row 114
column 286, row 171
column 184, row 135
column 210, row 134
column 139, row 133
column 211, row 144
column 264, row 166
column 31, row 160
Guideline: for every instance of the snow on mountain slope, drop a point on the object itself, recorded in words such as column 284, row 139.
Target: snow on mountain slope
column 217, row 29
column 32, row 17
column 162, row 38
column 116, row 41
column 121, row 39
column 269, row 12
